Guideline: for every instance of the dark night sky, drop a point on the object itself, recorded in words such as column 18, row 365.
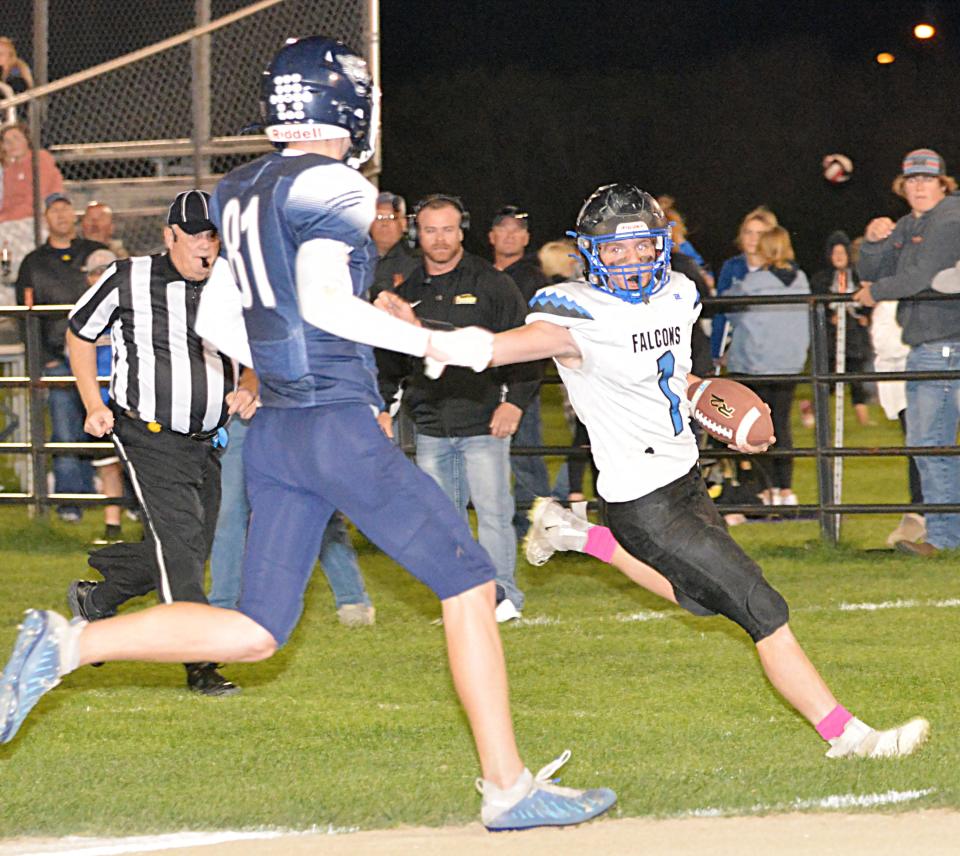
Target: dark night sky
column 724, row 105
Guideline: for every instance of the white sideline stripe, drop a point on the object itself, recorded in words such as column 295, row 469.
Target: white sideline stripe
column 148, row 843
column 948, row 603
column 834, row 801
column 643, row 615
column 899, row 604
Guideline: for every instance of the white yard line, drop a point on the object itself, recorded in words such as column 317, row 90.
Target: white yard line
column 900, row 604
column 82, row 846
column 835, row 801
column 843, row 606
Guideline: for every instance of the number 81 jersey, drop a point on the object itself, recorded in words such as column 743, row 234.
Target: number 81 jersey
column 265, row 211
column 630, row 389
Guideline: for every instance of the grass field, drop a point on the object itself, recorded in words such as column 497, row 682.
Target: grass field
column 360, row 728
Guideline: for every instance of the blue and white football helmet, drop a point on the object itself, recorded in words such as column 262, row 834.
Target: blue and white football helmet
column 620, row 212
column 319, row 89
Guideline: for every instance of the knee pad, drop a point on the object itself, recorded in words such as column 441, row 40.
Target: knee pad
column 766, row 611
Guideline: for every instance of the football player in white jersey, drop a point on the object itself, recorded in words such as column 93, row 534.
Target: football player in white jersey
column 621, row 342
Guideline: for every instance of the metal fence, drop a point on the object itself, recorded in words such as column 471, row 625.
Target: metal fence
column 162, row 110
column 827, row 509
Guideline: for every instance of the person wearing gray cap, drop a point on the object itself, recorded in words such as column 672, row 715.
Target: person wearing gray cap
column 396, row 261
column 897, row 261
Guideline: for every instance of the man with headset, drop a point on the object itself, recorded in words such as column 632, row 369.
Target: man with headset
column 464, row 420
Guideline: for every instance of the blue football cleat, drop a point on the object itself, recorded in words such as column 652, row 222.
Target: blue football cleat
column 546, row 803
column 33, row 669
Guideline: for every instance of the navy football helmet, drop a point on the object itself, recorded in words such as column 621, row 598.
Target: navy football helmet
column 319, row 89
column 621, row 212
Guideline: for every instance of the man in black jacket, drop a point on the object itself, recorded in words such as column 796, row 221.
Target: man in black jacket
column 464, row 420
column 53, row 274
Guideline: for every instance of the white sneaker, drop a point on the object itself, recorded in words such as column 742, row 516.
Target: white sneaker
column 912, row 528
column 356, row 615
column 552, row 528
column 507, row 611
column 861, row 741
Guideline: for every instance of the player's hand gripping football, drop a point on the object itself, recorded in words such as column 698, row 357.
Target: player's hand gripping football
column 732, row 413
column 750, row 449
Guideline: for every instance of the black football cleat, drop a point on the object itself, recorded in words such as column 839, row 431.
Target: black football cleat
column 81, row 604
column 79, row 599
column 204, row 678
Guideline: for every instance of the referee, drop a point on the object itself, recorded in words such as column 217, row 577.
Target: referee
column 171, row 394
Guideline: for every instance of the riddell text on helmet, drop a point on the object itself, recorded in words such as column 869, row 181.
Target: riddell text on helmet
column 295, row 133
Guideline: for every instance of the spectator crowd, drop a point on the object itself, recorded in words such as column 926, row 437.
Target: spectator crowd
column 465, row 427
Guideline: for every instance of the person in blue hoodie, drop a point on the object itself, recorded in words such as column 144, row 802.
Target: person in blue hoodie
column 772, row 340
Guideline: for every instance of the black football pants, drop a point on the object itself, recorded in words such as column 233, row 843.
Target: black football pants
column 177, row 482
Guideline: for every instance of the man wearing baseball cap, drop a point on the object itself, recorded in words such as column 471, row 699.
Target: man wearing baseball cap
column 897, row 261
column 171, row 394
column 52, row 274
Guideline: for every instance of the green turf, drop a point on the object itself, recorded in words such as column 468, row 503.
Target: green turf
column 360, row 728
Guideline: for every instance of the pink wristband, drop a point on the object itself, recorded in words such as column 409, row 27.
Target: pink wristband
column 600, row 543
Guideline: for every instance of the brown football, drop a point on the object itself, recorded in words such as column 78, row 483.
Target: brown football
column 730, row 411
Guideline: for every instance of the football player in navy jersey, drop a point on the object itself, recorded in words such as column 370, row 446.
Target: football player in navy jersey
column 621, row 340
column 297, row 257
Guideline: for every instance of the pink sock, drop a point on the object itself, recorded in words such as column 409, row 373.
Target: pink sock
column 833, row 723
column 600, row 543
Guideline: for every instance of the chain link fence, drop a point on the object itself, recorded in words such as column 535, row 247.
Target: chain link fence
column 133, row 137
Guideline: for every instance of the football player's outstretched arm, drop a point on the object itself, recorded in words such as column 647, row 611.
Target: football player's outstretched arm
column 325, row 295
column 537, row 341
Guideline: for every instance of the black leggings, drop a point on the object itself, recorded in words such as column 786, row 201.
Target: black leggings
column 916, row 494
column 779, row 471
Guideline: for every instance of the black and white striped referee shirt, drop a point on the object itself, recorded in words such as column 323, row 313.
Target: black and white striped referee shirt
column 162, row 369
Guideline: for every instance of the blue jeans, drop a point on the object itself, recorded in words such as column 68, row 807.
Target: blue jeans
column 71, row 474
column 337, row 557
column 933, row 416
column 529, row 471
column 478, row 469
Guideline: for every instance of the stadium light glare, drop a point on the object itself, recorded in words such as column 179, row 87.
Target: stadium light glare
column 924, row 31
column 885, row 58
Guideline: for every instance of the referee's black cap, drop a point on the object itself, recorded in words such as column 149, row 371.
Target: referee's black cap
column 191, row 212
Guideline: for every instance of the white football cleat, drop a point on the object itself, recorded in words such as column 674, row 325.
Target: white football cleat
column 552, row 528
column 860, row 741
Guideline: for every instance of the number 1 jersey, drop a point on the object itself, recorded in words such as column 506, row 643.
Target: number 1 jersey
column 630, row 389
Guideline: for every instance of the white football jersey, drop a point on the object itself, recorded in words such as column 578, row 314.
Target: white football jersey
column 631, row 387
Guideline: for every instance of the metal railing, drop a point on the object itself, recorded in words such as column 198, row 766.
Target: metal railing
column 827, row 508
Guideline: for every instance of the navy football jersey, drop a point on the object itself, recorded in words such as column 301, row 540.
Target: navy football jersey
column 265, row 210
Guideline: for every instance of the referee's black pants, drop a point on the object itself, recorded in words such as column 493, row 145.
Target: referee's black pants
column 177, row 482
